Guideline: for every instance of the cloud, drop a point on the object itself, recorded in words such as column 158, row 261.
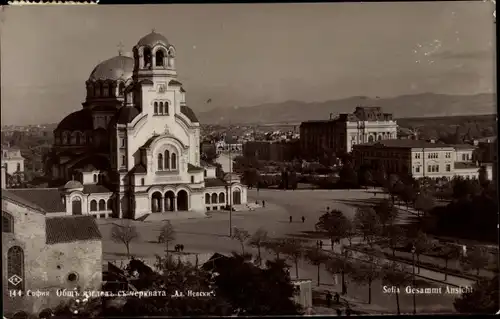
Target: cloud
column 470, row 55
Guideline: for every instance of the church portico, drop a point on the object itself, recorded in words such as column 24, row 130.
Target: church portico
column 169, row 200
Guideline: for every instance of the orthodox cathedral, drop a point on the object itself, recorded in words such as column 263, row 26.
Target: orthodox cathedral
column 134, row 147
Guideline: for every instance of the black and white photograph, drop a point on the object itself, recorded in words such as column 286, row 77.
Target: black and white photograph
column 258, row 159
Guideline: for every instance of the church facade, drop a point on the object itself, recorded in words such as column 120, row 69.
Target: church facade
column 134, row 147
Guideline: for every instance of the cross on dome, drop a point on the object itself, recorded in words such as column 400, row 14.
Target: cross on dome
column 120, row 48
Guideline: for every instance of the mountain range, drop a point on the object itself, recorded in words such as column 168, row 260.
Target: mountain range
column 417, row 105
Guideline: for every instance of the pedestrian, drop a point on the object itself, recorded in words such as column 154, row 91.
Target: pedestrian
column 337, row 298
column 321, row 244
column 263, row 203
column 328, row 299
column 328, row 209
column 339, row 312
column 375, row 194
column 256, row 202
column 182, row 247
column 303, row 219
column 290, row 219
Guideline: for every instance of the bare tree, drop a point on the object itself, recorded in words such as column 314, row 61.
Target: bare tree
column 294, row 250
column 395, row 236
column 422, row 244
column 125, row 234
column 350, row 230
column 242, row 236
column 317, row 257
column 167, row 234
column 397, row 276
column 365, row 273
column 257, row 240
column 386, row 213
column 447, row 252
column 339, row 264
column 274, row 245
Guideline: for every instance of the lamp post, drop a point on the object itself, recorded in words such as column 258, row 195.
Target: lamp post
column 413, row 249
column 230, row 195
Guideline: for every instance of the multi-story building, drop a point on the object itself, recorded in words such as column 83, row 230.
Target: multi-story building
column 419, row 158
column 13, row 162
column 278, row 151
column 338, row 135
column 46, row 253
column 135, row 143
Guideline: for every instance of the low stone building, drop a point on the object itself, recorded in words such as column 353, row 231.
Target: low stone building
column 43, row 255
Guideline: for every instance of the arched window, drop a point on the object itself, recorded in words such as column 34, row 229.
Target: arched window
column 222, row 198
column 142, row 181
column 110, row 204
column 167, row 159
column 18, row 167
column 214, row 198
column 105, row 89
column 160, row 162
column 15, row 268
column 102, row 204
column 192, row 179
column 147, row 58
column 207, row 198
column 161, row 108
column 205, row 173
column 97, row 89
column 95, row 178
column 78, row 138
column 166, row 108
column 68, row 138
column 159, row 58
column 156, row 107
column 7, row 223
column 174, row 161
column 93, row 205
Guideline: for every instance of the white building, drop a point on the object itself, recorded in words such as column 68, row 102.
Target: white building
column 134, row 148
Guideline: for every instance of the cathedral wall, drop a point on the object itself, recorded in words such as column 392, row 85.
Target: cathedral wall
column 142, row 205
column 197, row 201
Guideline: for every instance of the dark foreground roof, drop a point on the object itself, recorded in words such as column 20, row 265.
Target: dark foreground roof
column 71, row 229
column 48, row 199
column 95, row 189
column 189, row 113
column 8, row 195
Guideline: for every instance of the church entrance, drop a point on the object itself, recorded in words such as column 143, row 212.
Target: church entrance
column 76, row 206
column 182, row 200
column 236, row 197
column 169, row 201
column 156, row 202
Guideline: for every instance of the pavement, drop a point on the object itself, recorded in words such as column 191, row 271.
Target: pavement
column 212, row 235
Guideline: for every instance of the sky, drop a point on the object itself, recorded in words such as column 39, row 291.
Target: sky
column 248, row 54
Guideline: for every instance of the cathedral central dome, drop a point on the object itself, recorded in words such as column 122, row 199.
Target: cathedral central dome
column 117, row 68
column 152, row 39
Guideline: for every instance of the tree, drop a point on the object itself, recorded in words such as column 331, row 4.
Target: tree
column 476, row 258
column 317, row 257
column 367, row 223
column 125, row 234
column 242, row 236
column 482, row 299
column 340, row 263
column 447, row 252
column 419, row 240
column 408, row 194
column 348, row 176
column 396, row 275
column 350, row 231
column 294, row 249
column 167, row 234
column 424, row 203
column 392, row 186
column 275, row 245
column 386, row 212
column 257, row 240
column 368, row 178
column 365, row 273
column 334, row 224
column 395, row 237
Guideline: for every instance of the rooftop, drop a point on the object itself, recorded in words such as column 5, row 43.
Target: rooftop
column 406, row 144
column 45, row 199
column 464, row 165
column 71, row 229
column 8, row 195
column 214, row 182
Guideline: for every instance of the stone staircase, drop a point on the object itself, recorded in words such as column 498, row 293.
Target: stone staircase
column 154, row 217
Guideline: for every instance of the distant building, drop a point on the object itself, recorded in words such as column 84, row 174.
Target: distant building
column 338, row 135
column 278, row 151
column 419, row 159
column 228, row 144
column 13, row 162
column 45, row 253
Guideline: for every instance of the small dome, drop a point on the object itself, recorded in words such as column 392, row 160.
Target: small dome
column 152, row 39
column 73, row 185
column 77, row 121
column 117, row 68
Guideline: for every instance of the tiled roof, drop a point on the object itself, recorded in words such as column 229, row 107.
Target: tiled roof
column 205, row 164
column 174, row 82
column 70, row 229
column 406, row 144
column 214, row 182
column 95, row 189
column 139, row 169
column 463, row 146
column 49, row 199
column 192, row 168
column 10, row 196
